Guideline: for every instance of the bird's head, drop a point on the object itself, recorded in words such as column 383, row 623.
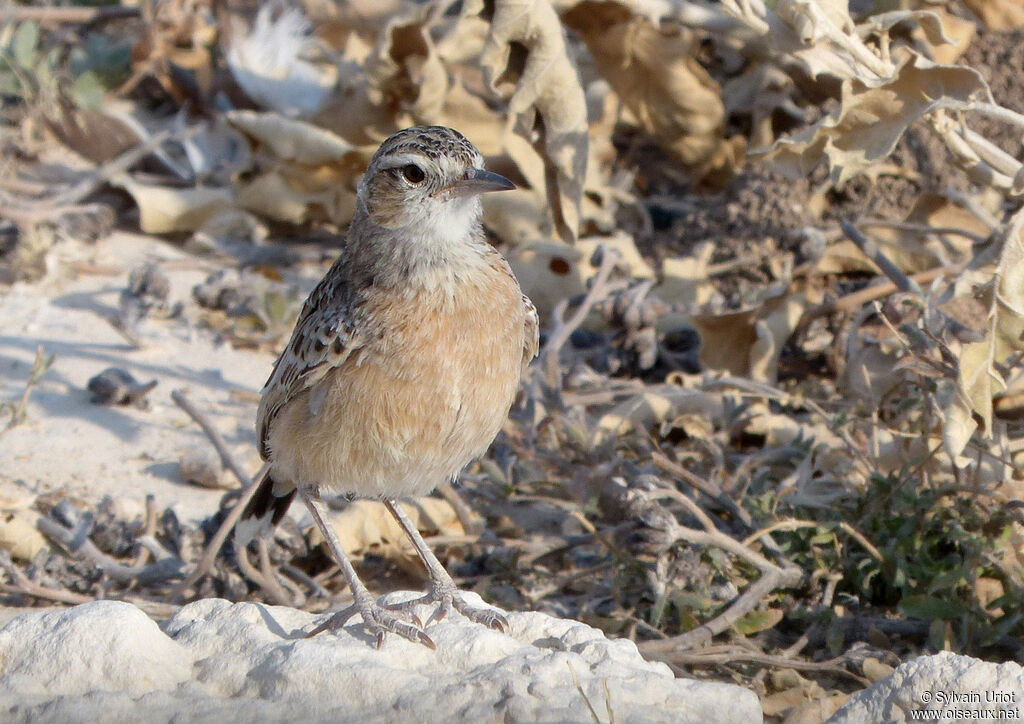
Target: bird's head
column 428, row 179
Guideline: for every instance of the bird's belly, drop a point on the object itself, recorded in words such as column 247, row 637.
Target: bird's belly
column 402, row 416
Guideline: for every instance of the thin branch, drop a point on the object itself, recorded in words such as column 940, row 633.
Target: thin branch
column 205, row 565
column 923, row 229
column 832, row 666
column 227, row 460
column 471, row 522
column 1003, row 114
column 872, row 252
column 797, row 524
column 562, row 329
column 746, row 602
column 857, row 300
column 84, row 549
column 82, row 188
column 270, row 586
column 148, row 530
column 70, row 15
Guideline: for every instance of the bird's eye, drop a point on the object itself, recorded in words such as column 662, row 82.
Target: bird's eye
column 413, row 173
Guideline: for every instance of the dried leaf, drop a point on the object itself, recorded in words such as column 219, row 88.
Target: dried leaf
column 757, row 621
column 366, row 525
column 163, row 209
column 406, row 69
column 292, row 140
column 685, row 280
column 655, row 406
column 526, row 46
column 654, row 72
column 998, row 14
column 748, row 343
column 866, row 126
column 18, row 534
column 309, row 173
column 548, row 272
column 978, row 378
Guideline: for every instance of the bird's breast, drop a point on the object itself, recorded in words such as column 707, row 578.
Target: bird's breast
column 425, row 395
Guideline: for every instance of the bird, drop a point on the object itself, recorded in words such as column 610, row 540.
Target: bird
column 403, row 364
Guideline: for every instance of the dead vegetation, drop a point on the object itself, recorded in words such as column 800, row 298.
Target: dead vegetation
column 774, row 431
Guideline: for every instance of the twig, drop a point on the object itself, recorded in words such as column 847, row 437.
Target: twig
column 149, row 529
column 471, row 522
column 870, row 294
column 872, row 252
column 295, row 598
column 205, row 565
column 226, row 459
column 269, row 585
column 832, row 666
column 711, row 490
column 562, row 329
column 923, row 229
column 71, row 15
column 79, row 190
column 1003, row 114
column 39, row 367
column 772, row 579
column 22, row 584
column 796, row 524
column 302, row 577
column 83, row 548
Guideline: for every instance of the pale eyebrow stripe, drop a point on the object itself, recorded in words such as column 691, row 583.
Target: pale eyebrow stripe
column 403, row 159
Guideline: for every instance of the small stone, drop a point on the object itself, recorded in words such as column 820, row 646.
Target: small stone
column 114, row 386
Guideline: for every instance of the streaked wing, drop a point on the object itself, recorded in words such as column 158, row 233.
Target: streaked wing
column 323, row 338
column 531, row 332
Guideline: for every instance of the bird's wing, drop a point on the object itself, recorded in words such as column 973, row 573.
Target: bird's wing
column 324, row 337
column 531, row 332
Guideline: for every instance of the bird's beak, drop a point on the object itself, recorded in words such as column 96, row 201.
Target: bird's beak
column 479, row 181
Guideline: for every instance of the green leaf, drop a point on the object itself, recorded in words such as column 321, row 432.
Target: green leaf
column 87, row 91
column 9, row 83
column 276, row 305
column 929, row 608
column 756, row 621
column 24, row 43
column 687, row 601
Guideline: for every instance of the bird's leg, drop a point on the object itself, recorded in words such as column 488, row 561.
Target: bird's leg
column 442, row 587
column 376, row 619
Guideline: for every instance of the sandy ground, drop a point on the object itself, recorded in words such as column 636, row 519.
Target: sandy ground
column 70, row 445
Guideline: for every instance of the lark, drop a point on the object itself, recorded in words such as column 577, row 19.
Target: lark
column 404, row 362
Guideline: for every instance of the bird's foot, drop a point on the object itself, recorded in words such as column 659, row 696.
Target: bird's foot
column 378, row 620
column 447, row 596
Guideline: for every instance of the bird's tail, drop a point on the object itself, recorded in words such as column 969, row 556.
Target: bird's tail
column 264, row 510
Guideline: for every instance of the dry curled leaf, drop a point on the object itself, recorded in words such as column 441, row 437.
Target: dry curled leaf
column 405, row 68
column 657, row 405
column 304, row 169
column 18, row 534
column 748, row 343
column 998, row 14
column 654, row 71
column 979, row 380
column 526, row 46
column 868, row 123
column 165, row 209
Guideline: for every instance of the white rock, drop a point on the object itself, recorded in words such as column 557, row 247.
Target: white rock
column 214, row 660
column 947, row 686
column 101, row 646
